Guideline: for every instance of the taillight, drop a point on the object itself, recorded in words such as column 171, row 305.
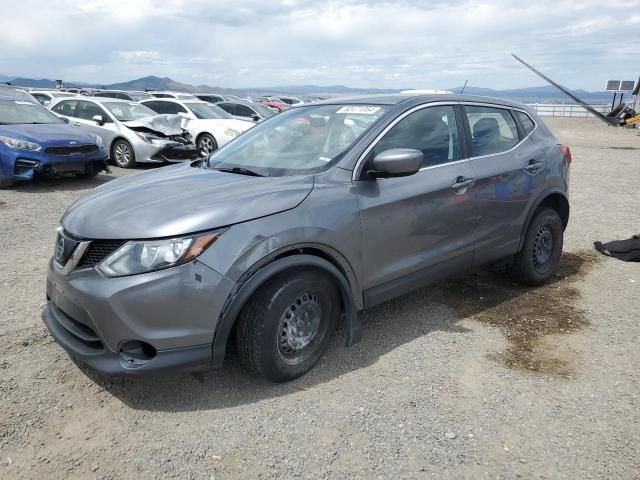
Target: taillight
column 566, row 151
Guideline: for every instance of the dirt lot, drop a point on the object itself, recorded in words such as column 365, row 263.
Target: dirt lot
column 473, row 378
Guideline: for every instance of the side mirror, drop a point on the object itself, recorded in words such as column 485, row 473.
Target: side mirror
column 397, row 162
column 64, row 119
column 98, row 119
column 255, row 118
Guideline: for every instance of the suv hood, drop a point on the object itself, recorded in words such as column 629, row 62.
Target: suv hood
column 49, row 134
column 180, row 199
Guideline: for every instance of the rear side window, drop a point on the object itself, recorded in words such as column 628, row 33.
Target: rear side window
column 525, row 121
column 431, row 130
column 174, row 108
column 493, row 130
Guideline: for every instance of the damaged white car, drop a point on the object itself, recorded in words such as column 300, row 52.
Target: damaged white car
column 131, row 132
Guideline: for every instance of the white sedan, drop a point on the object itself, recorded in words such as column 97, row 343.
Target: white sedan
column 210, row 126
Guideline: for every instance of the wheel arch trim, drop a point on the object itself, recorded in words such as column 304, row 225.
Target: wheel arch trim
column 244, row 290
column 544, row 196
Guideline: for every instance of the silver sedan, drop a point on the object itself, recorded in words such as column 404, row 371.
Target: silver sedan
column 131, row 132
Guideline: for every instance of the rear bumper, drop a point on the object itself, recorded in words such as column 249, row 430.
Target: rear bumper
column 82, row 344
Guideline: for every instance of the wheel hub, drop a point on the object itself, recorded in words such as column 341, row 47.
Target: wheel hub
column 300, row 323
column 543, row 246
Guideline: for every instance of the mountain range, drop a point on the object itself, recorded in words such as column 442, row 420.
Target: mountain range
column 526, row 95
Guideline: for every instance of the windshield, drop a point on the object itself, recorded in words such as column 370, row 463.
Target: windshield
column 204, row 110
column 15, row 112
column 299, row 141
column 127, row 111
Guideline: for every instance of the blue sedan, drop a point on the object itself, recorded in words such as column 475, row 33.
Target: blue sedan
column 33, row 140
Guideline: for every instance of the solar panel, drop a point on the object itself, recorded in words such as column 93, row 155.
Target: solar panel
column 627, row 85
column 613, row 86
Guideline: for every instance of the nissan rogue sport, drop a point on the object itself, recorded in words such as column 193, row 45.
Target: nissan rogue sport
column 300, row 223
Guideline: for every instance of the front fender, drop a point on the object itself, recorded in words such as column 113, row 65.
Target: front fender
column 244, row 289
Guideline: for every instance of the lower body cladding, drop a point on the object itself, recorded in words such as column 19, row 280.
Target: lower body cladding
column 140, row 323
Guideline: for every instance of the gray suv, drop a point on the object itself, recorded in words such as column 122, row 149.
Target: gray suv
column 300, row 223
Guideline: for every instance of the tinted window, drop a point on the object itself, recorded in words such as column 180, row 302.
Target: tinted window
column 162, row 95
column 172, row 107
column 227, row 107
column 156, row 106
column 244, row 111
column 87, row 110
column 66, row 108
column 525, row 121
column 493, row 130
column 431, row 130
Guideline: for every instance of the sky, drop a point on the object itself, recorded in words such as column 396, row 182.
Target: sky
column 368, row 44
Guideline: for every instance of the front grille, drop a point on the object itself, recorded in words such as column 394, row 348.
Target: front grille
column 99, row 250
column 177, row 152
column 70, row 150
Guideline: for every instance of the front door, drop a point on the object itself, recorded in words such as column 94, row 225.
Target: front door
column 418, row 228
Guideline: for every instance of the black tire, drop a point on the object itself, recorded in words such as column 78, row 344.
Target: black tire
column 91, row 171
column 539, row 257
column 265, row 330
column 5, row 183
column 122, row 154
column 206, row 144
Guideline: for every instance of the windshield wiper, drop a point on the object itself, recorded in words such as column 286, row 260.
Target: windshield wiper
column 239, row 171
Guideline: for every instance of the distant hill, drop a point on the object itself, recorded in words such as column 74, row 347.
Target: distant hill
column 540, row 94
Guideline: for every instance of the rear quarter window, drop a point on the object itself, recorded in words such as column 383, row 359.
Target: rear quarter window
column 525, row 120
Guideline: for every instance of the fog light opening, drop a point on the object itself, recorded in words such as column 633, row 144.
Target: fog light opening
column 135, row 353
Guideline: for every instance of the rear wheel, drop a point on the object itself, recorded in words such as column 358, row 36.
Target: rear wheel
column 540, row 255
column 122, row 154
column 5, row 183
column 206, row 145
column 287, row 325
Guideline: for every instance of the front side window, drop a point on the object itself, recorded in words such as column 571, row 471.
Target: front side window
column 227, row 107
column 431, row 130
column 66, row 108
column 299, row 141
column 244, row 111
column 203, row 111
column 88, row 110
column 127, row 111
column 493, row 130
column 173, row 108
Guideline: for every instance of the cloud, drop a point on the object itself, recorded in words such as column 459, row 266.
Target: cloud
column 375, row 43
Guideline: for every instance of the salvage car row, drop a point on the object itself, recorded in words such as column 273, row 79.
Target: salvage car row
column 77, row 134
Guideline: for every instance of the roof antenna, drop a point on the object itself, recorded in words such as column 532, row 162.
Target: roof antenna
column 463, row 87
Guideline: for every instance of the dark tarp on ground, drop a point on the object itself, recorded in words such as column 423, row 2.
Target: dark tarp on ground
column 627, row 250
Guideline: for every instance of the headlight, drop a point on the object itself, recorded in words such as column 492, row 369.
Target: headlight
column 229, row 132
column 147, row 137
column 18, row 144
column 149, row 255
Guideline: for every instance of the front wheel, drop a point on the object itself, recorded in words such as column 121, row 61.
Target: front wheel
column 287, row 325
column 539, row 257
column 206, row 145
column 123, row 155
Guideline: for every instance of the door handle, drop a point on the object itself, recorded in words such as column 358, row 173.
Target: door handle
column 461, row 184
column 533, row 166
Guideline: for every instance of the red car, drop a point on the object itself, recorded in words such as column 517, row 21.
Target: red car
column 277, row 105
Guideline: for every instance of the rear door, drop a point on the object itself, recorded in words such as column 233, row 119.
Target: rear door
column 510, row 169
column 418, row 228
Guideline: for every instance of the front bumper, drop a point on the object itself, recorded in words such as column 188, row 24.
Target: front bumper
column 173, row 312
column 163, row 151
column 23, row 165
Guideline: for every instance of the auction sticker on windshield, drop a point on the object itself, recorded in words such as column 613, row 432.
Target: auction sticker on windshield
column 361, row 109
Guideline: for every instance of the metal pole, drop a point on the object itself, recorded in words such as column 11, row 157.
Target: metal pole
column 613, row 103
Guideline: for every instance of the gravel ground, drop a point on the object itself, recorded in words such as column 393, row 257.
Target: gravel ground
column 473, row 378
